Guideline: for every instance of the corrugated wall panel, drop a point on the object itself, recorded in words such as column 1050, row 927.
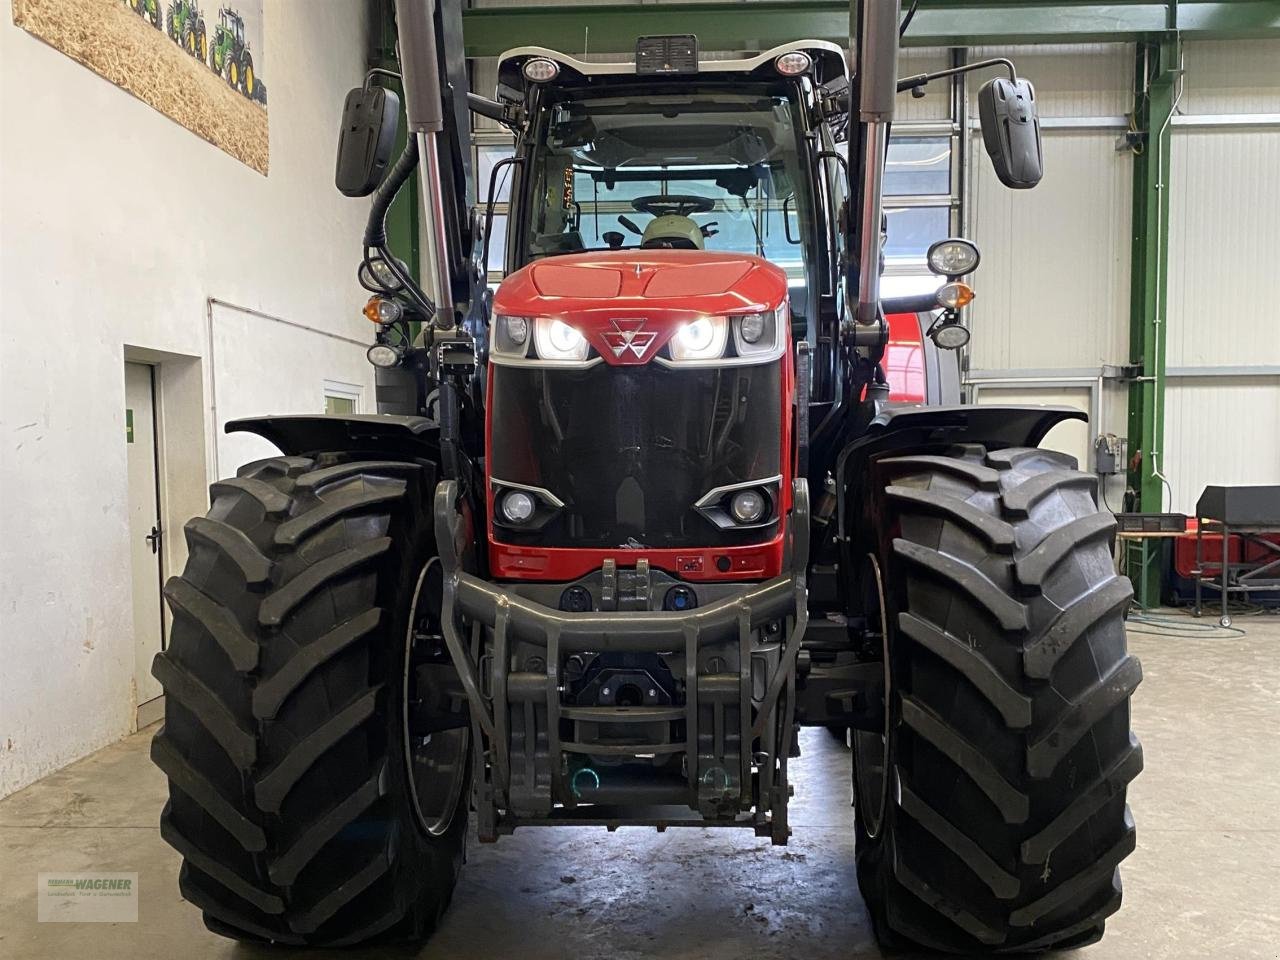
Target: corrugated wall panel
column 1232, row 76
column 1053, row 287
column 1220, row 431
column 1223, row 281
column 936, row 103
column 1071, row 80
column 1224, row 225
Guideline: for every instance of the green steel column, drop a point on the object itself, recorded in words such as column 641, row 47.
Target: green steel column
column 1154, row 95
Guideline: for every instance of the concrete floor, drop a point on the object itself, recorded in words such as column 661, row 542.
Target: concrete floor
column 1204, row 882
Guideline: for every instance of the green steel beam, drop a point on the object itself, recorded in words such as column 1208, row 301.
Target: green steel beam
column 1156, row 78
column 1240, row 20
column 759, row 24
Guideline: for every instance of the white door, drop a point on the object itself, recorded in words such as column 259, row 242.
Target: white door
column 144, row 530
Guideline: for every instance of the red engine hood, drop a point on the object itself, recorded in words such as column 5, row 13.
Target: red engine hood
column 629, row 303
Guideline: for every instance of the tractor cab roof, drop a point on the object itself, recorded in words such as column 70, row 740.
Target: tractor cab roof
column 826, row 67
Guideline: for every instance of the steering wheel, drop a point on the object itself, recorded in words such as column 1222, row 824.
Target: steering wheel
column 673, row 204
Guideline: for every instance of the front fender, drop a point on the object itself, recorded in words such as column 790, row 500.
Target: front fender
column 411, row 438
column 925, row 429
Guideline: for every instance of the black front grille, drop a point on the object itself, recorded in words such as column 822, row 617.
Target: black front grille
column 630, row 450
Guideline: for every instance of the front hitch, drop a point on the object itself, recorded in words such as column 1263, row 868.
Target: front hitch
column 723, row 743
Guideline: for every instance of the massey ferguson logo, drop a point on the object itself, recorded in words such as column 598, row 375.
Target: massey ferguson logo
column 629, row 335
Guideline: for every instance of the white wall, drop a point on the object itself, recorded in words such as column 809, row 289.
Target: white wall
column 245, row 360
column 100, row 248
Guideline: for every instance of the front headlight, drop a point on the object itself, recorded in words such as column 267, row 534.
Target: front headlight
column 953, row 257
column 556, row 340
column 384, row 355
column 701, row 339
column 509, row 336
column 755, row 334
column 376, row 275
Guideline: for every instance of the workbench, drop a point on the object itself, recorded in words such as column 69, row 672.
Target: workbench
column 1247, row 512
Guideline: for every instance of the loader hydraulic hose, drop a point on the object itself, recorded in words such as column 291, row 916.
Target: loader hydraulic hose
column 375, row 231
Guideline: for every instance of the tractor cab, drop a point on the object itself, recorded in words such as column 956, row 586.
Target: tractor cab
column 672, row 153
column 233, row 23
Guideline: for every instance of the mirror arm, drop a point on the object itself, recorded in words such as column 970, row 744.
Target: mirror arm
column 505, row 114
column 375, row 231
column 380, row 72
column 920, row 80
column 915, row 303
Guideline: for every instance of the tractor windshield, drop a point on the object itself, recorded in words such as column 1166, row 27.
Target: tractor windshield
column 717, row 168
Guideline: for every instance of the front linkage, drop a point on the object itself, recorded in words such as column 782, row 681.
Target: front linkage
column 728, row 715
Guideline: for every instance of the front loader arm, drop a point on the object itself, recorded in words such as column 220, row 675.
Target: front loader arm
column 435, row 84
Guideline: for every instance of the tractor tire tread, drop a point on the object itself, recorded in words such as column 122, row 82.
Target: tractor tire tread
column 1010, row 749
column 271, row 790
column 217, row 622
column 271, row 692
column 274, row 502
column 232, row 544
column 997, row 532
column 285, row 868
column 282, row 601
column 209, row 710
column 1010, row 614
column 205, row 795
column 292, row 532
column 1014, row 707
column 275, row 682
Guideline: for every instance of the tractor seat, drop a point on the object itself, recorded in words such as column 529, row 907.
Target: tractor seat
column 672, row 232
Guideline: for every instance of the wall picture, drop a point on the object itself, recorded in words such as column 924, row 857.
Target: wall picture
column 199, row 62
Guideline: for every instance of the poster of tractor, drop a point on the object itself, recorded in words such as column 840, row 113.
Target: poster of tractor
column 198, row 62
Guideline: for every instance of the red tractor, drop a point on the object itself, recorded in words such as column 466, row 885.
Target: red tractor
column 573, row 571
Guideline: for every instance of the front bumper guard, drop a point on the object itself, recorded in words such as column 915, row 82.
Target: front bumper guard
column 738, row 657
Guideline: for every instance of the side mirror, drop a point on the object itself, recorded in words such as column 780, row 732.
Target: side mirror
column 1011, row 131
column 370, row 122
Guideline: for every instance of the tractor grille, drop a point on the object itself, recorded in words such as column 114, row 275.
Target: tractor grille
column 630, row 450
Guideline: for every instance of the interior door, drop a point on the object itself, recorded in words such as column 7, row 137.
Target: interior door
column 144, row 530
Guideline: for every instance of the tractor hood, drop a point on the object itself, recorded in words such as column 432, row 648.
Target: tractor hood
column 629, row 303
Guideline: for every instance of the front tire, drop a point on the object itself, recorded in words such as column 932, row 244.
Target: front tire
column 991, row 810
column 286, row 738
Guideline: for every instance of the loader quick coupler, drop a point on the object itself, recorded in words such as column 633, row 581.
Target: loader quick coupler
column 627, row 697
